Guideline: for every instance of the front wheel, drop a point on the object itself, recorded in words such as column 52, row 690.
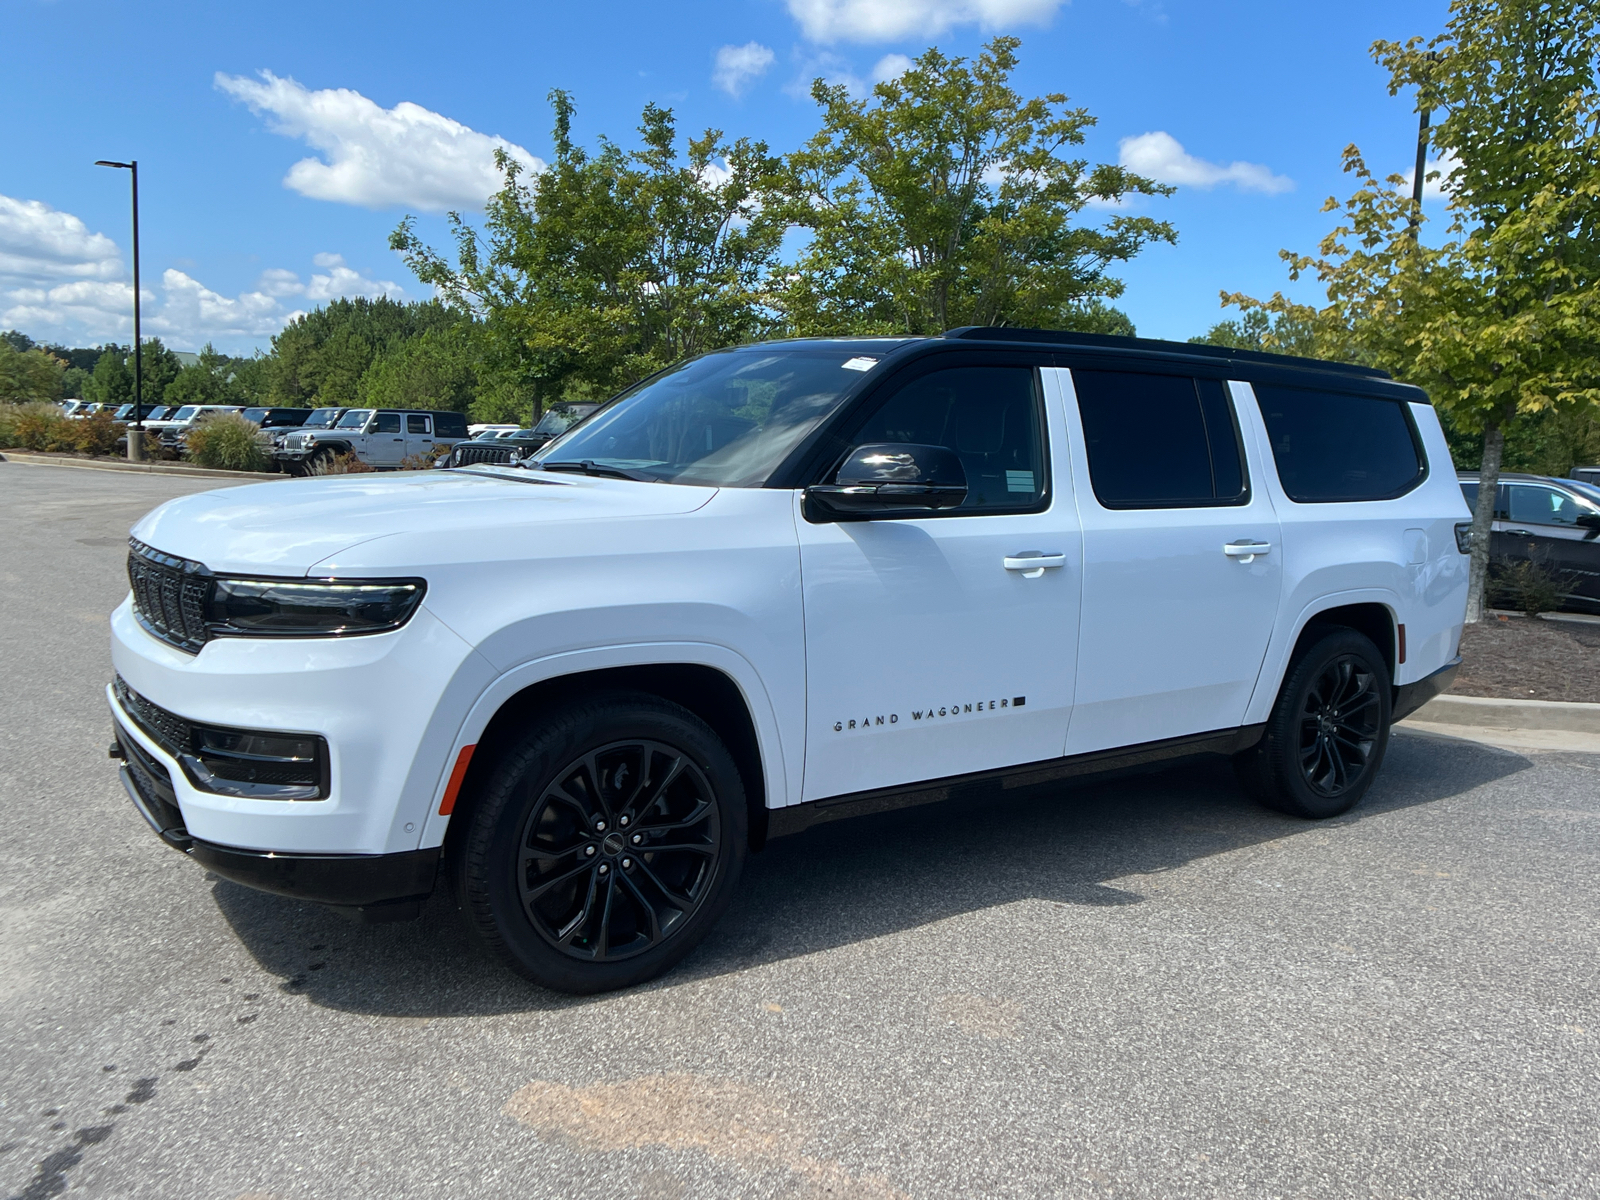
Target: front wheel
column 605, row 844
column 1328, row 731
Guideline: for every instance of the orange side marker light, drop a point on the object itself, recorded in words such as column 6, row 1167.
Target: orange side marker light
column 457, row 774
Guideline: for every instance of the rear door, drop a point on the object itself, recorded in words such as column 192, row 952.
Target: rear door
column 1182, row 561
column 419, row 433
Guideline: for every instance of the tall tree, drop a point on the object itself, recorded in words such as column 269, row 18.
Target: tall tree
column 320, row 356
column 612, row 264
column 28, row 374
column 1501, row 320
column 208, row 381
column 946, row 198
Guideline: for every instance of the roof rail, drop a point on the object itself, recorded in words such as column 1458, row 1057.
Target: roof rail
column 1106, row 341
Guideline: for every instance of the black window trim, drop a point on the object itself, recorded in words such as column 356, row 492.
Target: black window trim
column 866, row 404
column 1242, row 500
column 1424, row 467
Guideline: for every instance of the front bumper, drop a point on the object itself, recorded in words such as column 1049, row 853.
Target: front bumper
column 373, row 887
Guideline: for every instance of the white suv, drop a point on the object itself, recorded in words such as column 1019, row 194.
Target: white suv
column 382, row 438
column 775, row 585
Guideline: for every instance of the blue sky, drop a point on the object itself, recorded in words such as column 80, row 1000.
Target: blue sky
column 279, row 144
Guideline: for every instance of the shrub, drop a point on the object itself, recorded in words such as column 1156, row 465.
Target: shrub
column 423, row 460
column 95, row 435
column 226, row 441
column 338, row 464
column 1529, row 587
column 38, row 427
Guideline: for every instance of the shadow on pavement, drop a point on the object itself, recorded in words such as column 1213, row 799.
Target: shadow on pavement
column 850, row 881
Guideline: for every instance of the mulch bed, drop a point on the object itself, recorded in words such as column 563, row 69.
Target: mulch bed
column 1513, row 658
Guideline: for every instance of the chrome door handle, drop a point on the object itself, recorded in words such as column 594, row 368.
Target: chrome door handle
column 1034, row 563
column 1246, row 552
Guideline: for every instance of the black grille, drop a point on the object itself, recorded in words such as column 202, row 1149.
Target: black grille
column 467, row 454
column 168, row 730
column 169, row 596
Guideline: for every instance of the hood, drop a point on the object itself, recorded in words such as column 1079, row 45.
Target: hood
column 286, row 527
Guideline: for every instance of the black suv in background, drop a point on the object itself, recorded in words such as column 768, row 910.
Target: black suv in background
column 505, row 448
column 277, row 418
column 1549, row 522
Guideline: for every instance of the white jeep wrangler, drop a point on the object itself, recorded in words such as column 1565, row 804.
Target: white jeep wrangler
column 774, row 585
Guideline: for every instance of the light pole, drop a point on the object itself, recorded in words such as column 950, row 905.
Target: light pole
column 136, row 434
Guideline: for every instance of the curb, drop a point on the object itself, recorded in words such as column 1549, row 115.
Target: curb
column 83, row 464
column 1489, row 712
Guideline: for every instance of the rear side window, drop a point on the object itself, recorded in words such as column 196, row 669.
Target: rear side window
column 1330, row 446
column 450, row 424
column 417, row 423
column 1159, row 441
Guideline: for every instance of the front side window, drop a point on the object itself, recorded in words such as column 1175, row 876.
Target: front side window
column 417, row 423
column 989, row 416
column 726, row 419
column 1159, row 441
column 1331, row 446
column 354, row 419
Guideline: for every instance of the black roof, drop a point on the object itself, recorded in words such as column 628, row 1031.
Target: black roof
column 1106, row 341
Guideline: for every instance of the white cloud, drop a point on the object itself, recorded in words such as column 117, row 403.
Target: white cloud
column 893, row 20
column 38, row 242
column 737, row 67
column 376, row 157
column 890, row 66
column 59, row 282
column 1432, row 189
column 1163, row 158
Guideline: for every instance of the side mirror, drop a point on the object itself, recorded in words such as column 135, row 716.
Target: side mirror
column 890, row 479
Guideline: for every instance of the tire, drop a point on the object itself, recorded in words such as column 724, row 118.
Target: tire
column 566, row 870
column 1327, row 733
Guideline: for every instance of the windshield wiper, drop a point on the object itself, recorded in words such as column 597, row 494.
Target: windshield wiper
column 589, row 467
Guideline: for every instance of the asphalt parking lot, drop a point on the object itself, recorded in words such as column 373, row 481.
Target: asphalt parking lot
column 1138, row 988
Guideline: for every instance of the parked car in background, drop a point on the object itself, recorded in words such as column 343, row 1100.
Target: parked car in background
column 175, row 428
column 84, row 409
column 68, row 407
column 1552, row 522
column 481, row 430
column 380, row 437
column 1590, row 475
column 277, row 418
column 152, row 412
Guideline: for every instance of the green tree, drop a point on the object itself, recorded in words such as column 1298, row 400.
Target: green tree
column 437, row 369
column 320, row 356
column 947, row 199
column 614, row 263
column 112, row 381
column 1500, row 321
column 207, row 382
column 28, row 375
column 1272, row 333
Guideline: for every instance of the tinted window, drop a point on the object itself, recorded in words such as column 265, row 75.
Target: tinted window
column 321, row 418
column 1159, row 441
column 988, row 415
column 1330, row 446
column 387, row 423
column 1535, row 505
column 354, row 419
column 448, row 424
column 417, row 423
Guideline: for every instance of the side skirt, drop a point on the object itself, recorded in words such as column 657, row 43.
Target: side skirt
column 784, row 821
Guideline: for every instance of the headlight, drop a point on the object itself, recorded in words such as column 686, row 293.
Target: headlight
column 315, row 608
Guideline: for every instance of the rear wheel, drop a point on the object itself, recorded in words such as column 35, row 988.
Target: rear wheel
column 605, row 845
column 1328, row 731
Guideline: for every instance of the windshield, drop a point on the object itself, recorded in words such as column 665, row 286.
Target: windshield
column 256, row 414
column 187, row 411
column 354, row 419
column 321, row 418
column 557, row 420
column 724, row 420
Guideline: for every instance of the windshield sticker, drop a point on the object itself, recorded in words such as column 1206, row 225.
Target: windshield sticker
column 859, row 363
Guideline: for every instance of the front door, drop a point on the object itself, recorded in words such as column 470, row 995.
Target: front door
column 933, row 648
column 1182, row 558
column 386, row 443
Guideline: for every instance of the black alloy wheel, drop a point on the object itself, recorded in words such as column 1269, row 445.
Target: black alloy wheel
column 1339, row 725
column 1326, row 736
column 601, row 845
column 619, row 851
